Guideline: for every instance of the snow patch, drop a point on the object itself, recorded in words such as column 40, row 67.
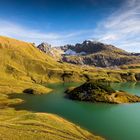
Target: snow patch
column 70, row 52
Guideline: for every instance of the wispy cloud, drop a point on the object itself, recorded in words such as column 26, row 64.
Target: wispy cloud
column 122, row 28
column 20, row 32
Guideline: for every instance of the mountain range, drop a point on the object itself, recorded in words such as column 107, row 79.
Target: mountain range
column 91, row 53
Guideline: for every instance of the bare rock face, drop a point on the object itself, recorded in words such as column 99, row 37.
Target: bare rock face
column 90, row 47
column 45, row 47
column 54, row 52
column 99, row 92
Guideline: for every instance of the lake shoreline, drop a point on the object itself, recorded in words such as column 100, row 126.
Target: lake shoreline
column 94, row 116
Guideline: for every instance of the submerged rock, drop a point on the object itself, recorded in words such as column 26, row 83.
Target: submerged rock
column 100, row 92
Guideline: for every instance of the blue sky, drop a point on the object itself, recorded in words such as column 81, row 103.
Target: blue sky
column 60, row 22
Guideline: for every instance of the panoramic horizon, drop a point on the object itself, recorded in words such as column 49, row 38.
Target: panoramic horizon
column 69, row 22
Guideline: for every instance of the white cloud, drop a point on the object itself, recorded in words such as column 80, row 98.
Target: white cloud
column 109, row 37
column 122, row 28
column 19, row 32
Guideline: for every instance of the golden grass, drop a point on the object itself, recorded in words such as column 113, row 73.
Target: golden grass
column 5, row 101
column 24, row 125
column 8, row 86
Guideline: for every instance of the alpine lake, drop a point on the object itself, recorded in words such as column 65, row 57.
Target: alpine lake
column 111, row 121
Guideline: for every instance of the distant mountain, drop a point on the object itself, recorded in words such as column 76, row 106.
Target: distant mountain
column 91, row 53
column 97, row 54
column 45, row 47
column 56, row 53
column 90, row 47
column 135, row 54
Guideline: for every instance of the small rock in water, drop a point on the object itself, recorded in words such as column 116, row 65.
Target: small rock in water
column 29, row 91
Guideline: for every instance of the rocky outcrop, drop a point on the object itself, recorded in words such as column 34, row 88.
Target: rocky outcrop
column 54, row 52
column 45, row 47
column 101, row 60
column 100, row 92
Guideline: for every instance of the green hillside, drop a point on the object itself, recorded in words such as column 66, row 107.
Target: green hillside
column 23, row 66
column 23, row 125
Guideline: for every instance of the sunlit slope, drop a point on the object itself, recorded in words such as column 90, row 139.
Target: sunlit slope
column 22, row 65
column 23, row 125
column 21, row 58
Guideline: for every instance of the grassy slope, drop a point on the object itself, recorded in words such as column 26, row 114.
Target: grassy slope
column 23, row 125
column 22, row 63
column 24, row 66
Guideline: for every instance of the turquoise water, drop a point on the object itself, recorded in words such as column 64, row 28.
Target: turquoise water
column 113, row 122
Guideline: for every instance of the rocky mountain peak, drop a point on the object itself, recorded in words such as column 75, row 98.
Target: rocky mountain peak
column 45, row 47
column 90, row 52
column 86, row 42
column 91, row 46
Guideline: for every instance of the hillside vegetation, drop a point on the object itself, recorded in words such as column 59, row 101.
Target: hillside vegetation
column 24, row 125
column 23, row 66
